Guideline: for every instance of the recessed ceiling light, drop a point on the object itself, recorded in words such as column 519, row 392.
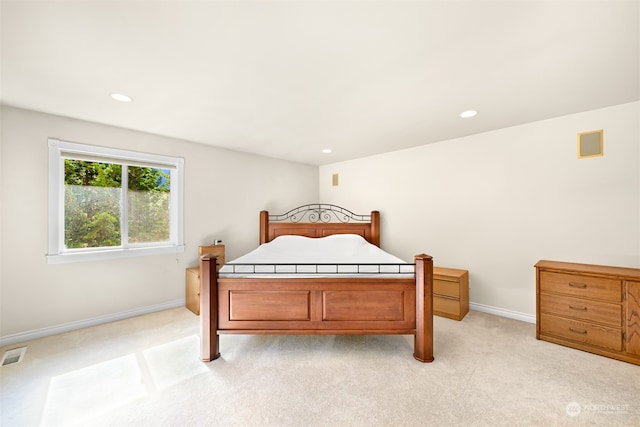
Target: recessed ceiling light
column 327, row 151
column 121, row 97
column 468, row 113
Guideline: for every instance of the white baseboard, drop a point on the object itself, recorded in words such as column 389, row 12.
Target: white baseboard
column 72, row 326
column 502, row 312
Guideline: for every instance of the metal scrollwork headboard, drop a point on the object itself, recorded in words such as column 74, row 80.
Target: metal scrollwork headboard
column 320, row 212
column 319, row 220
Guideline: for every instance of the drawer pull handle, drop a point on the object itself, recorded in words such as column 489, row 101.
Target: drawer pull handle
column 581, row 308
column 578, row 285
column 578, row 331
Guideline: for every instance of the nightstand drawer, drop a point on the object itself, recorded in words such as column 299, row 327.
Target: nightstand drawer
column 583, row 332
column 582, row 309
column 581, row 286
column 448, row 307
column 446, row 287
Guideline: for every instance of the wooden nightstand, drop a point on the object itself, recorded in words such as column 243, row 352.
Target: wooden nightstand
column 450, row 292
column 192, row 279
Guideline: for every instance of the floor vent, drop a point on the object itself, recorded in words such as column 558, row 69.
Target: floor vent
column 13, row 356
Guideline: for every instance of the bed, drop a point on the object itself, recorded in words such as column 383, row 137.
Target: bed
column 329, row 297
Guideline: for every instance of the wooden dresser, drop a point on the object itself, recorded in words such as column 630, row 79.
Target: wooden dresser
column 192, row 279
column 450, row 292
column 589, row 307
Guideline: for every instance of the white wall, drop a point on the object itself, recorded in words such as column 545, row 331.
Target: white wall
column 496, row 203
column 224, row 192
column 493, row 203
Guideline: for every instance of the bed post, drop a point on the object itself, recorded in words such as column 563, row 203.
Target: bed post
column 375, row 228
column 264, row 227
column 423, row 343
column 209, row 339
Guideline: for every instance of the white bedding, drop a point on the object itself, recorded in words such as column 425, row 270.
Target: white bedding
column 345, row 254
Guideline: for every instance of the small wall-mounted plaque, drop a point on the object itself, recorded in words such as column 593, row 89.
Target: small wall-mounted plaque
column 590, row 144
column 334, row 180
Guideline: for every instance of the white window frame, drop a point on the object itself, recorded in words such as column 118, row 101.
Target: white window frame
column 58, row 151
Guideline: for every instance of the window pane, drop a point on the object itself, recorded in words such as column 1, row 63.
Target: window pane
column 89, row 202
column 92, row 204
column 149, row 191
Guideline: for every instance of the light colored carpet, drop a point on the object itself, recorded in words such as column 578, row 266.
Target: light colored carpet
column 145, row 371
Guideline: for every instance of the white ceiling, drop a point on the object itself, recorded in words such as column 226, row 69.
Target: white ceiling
column 286, row 79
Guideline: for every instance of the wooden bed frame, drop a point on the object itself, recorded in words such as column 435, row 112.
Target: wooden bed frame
column 328, row 306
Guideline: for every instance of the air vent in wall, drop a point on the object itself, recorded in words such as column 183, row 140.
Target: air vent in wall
column 13, row 356
column 590, row 144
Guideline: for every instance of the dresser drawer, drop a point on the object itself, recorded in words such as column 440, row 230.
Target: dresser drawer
column 583, row 332
column 582, row 309
column 446, row 287
column 581, row 286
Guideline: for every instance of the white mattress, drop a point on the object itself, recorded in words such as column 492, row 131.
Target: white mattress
column 348, row 255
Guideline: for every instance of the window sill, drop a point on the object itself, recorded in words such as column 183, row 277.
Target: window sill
column 70, row 257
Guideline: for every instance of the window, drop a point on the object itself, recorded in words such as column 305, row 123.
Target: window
column 107, row 203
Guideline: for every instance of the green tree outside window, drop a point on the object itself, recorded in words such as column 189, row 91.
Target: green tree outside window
column 94, row 198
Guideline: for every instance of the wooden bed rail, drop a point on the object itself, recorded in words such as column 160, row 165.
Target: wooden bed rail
column 423, row 340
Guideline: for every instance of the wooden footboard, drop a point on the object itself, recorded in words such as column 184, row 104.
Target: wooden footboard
column 317, row 306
